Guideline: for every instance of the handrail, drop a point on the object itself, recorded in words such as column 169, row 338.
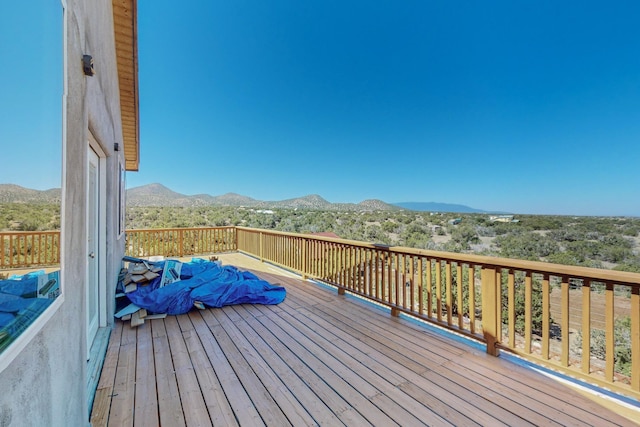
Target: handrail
column 29, row 248
column 536, row 266
column 180, row 242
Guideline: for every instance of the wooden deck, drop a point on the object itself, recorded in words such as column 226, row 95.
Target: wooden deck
column 318, row 359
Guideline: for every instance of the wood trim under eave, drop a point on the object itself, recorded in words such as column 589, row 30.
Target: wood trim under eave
column 126, row 39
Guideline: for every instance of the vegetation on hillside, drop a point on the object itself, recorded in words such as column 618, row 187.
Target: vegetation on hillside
column 29, row 217
column 602, row 242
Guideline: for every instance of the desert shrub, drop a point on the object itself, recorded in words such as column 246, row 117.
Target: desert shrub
column 622, row 345
column 463, row 236
column 415, row 236
column 529, row 246
column 630, row 266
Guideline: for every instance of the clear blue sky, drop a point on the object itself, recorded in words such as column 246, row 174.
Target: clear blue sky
column 527, row 107
column 31, row 93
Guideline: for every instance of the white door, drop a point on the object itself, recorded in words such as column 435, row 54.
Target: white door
column 93, row 212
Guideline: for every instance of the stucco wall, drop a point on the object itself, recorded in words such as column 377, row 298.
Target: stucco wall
column 46, row 384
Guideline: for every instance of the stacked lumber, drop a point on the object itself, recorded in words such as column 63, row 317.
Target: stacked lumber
column 136, row 274
column 139, row 274
column 138, row 317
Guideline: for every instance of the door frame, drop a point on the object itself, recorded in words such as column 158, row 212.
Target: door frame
column 101, row 256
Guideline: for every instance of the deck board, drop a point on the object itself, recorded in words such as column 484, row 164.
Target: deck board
column 146, row 399
column 169, row 404
column 193, row 405
column 104, row 390
column 237, row 399
column 318, row 358
column 276, row 355
column 217, row 405
column 356, row 371
column 376, row 363
column 416, row 360
column 263, row 401
column 121, row 412
column 323, row 393
column 412, row 364
column 251, row 350
column 338, row 376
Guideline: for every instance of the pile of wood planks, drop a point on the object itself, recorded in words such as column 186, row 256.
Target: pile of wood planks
column 138, row 317
column 136, row 274
column 139, row 274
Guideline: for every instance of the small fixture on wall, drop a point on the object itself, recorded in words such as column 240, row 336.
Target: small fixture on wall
column 116, row 147
column 87, row 65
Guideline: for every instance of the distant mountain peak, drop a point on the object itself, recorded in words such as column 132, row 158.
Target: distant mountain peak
column 155, row 188
column 376, row 205
column 155, row 185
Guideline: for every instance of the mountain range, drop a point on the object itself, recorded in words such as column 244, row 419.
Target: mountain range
column 159, row 195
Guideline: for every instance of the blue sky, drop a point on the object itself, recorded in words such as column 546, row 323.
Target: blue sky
column 31, row 93
column 527, row 108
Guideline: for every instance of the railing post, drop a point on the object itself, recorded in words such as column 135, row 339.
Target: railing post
column 180, row 242
column 305, row 243
column 490, row 304
column 236, row 239
column 260, row 249
column 2, row 263
column 635, row 338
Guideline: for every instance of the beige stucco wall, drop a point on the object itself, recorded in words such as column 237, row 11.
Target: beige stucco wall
column 45, row 385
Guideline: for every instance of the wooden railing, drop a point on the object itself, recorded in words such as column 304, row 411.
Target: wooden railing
column 581, row 321
column 20, row 249
column 180, row 242
column 30, row 249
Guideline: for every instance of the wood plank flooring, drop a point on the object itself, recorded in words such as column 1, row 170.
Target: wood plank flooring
column 318, row 359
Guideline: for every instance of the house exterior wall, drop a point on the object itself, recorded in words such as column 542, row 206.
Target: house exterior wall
column 46, row 384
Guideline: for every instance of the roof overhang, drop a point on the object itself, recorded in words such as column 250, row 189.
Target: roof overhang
column 126, row 39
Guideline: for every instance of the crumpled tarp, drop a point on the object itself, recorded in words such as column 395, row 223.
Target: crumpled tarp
column 209, row 283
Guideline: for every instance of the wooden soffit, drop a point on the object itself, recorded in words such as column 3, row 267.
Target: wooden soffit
column 126, row 37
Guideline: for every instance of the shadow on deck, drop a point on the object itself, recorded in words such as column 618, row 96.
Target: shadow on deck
column 318, row 359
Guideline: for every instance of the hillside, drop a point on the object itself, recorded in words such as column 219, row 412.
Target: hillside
column 11, row 193
column 161, row 196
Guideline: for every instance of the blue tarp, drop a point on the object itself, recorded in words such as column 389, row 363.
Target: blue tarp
column 19, row 305
column 209, row 283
